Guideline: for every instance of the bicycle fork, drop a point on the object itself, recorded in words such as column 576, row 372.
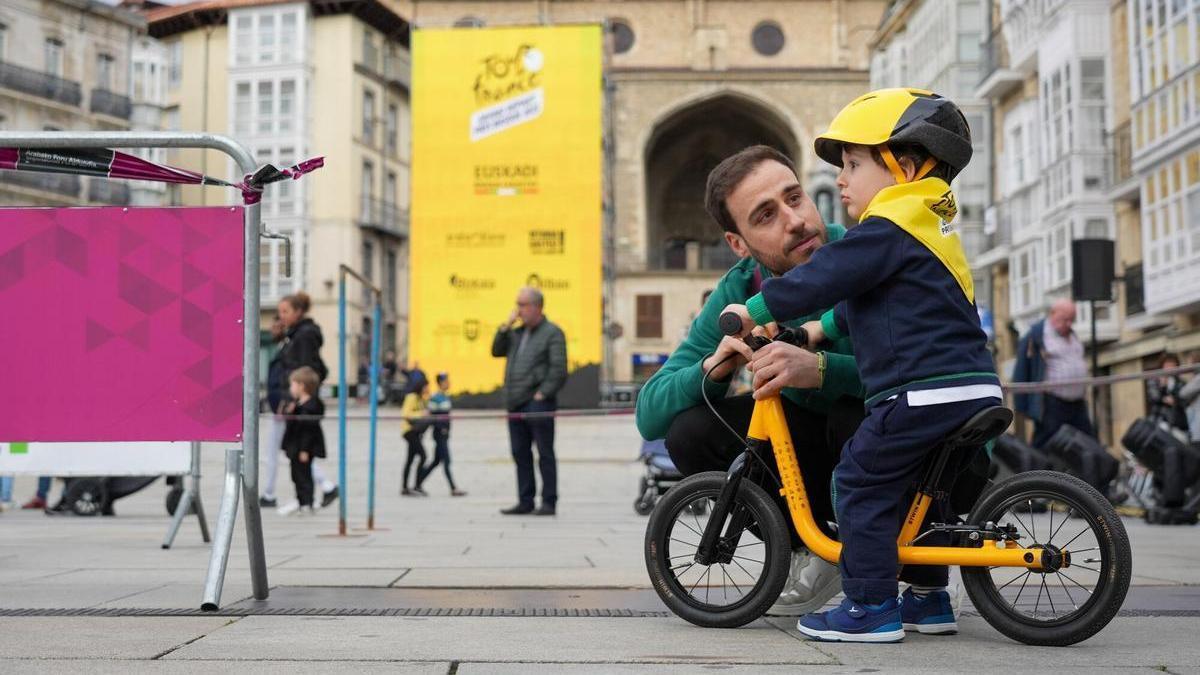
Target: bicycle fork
column 716, row 547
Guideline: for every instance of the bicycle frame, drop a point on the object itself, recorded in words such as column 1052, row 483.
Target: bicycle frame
column 768, row 424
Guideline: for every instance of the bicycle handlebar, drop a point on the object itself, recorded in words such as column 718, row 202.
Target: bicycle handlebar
column 731, row 325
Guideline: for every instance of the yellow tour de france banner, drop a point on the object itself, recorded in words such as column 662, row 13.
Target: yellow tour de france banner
column 506, row 192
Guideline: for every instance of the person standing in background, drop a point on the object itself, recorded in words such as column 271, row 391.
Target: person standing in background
column 439, row 408
column 1052, row 352
column 536, row 369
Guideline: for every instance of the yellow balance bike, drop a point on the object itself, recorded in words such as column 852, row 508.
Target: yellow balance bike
column 1044, row 557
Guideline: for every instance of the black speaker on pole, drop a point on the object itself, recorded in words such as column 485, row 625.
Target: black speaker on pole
column 1093, row 266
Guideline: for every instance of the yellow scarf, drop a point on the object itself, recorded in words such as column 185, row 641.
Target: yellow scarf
column 924, row 209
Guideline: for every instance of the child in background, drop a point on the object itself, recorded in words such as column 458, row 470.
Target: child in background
column 439, row 406
column 303, row 439
column 413, row 427
column 901, row 288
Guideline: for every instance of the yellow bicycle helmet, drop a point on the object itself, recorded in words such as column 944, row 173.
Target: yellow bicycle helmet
column 901, row 116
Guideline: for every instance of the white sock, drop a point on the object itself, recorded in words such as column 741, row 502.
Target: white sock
column 922, row 591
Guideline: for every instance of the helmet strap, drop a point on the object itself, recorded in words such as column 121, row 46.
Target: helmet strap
column 898, row 173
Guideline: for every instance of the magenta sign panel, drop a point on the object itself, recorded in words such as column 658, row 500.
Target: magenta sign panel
column 121, row 324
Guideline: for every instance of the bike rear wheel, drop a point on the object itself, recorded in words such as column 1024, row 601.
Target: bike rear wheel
column 734, row 590
column 1079, row 533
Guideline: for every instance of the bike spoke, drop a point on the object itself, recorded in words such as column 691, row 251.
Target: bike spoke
column 751, row 576
column 1069, row 578
column 1032, row 521
column 1085, row 550
column 1039, row 597
column 1010, row 581
column 684, row 523
column 685, row 543
column 1050, row 598
column 1018, row 517
column 1067, row 591
column 735, row 585
column 685, row 571
column 1070, row 512
column 724, row 588
column 1085, row 567
column 738, row 557
column 707, row 584
column 1085, row 529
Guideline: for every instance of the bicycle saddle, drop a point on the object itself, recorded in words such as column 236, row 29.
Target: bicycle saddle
column 983, row 427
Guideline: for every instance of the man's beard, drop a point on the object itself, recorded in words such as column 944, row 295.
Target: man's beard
column 777, row 263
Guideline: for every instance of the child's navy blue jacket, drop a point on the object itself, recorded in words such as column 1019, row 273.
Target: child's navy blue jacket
column 907, row 300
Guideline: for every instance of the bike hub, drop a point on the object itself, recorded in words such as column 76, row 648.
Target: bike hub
column 1053, row 557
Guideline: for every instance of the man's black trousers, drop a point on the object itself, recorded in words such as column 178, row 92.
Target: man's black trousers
column 522, row 434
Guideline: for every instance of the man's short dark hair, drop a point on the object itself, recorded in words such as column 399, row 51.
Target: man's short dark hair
column 729, row 173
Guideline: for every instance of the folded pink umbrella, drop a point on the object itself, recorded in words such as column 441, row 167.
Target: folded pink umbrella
column 114, row 164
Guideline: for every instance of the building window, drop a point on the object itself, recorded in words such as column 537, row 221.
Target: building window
column 368, row 117
column 3, row 41
column 390, row 285
column 367, row 188
column 370, row 53
column 264, row 108
column 104, row 72
column 287, row 106
column 1060, row 255
column 469, row 22
column 54, row 57
column 266, row 36
column 970, row 21
column 1135, row 290
column 389, row 190
column 392, row 128
column 767, row 38
column 1025, row 290
column 649, row 316
column 174, row 64
column 622, row 35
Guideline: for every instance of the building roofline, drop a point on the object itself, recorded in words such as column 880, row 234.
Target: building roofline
column 166, row 21
column 895, row 17
column 114, row 12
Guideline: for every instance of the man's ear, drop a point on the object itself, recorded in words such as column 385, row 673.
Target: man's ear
column 738, row 244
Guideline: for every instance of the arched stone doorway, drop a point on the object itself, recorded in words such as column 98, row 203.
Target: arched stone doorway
column 681, row 151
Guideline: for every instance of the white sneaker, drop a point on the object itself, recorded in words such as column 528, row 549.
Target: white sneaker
column 307, row 511
column 289, row 508
column 811, row 583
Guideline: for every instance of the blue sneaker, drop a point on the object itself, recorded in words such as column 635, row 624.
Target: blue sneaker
column 931, row 615
column 855, row 622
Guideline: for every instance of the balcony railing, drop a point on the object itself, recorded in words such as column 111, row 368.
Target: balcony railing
column 62, row 184
column 37, row 83
column 993, row 55
column 1120, row 142
column 108, row 192
column 111, row 103
column 397, row 68
column 384, row 216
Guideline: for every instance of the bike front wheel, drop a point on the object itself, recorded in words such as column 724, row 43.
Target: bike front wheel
column 1082, row 537
column 750, row 570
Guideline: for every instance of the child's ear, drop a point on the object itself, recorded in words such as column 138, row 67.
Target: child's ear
column 909, row 168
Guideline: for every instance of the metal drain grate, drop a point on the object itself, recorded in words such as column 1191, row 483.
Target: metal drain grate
column 339, row 611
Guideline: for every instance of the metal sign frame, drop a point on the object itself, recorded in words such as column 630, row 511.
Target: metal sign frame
column 241, row 465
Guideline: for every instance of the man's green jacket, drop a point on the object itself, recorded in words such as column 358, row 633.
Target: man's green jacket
column 676, row 386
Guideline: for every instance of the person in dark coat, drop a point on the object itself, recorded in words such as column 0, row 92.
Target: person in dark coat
column 303, row 440
column 300, row 347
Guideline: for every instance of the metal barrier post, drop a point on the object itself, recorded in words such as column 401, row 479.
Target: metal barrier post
column 341, row 404
column 189, row 501
column 225, row 521
column 375, row 338
column 244, row 473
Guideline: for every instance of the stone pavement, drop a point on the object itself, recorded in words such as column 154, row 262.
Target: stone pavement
column 450, row 586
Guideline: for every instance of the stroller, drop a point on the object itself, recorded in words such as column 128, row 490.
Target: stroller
column 661, row 474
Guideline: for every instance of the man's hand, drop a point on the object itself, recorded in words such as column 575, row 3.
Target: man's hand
column 732, row 347
column 816, row 334
column 512, row 318
column 780, row 365
column 303, row 457
column 537, row 396
column 741, row 311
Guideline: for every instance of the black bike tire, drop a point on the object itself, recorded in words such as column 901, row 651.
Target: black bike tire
column 773, row 531
column 1110, row 533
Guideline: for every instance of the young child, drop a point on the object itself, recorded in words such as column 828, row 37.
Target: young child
column 303, row 439
column 413, row 428
column 439, row 406
column 901, row 289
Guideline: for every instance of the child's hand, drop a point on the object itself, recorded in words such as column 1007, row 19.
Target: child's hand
column 816, row 334
column 743, row 314
column 303, row 457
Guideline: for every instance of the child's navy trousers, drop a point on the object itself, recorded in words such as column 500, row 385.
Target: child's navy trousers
column 874, row 483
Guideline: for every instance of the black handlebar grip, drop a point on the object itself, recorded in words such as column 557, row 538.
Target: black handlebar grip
column 731, row 324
